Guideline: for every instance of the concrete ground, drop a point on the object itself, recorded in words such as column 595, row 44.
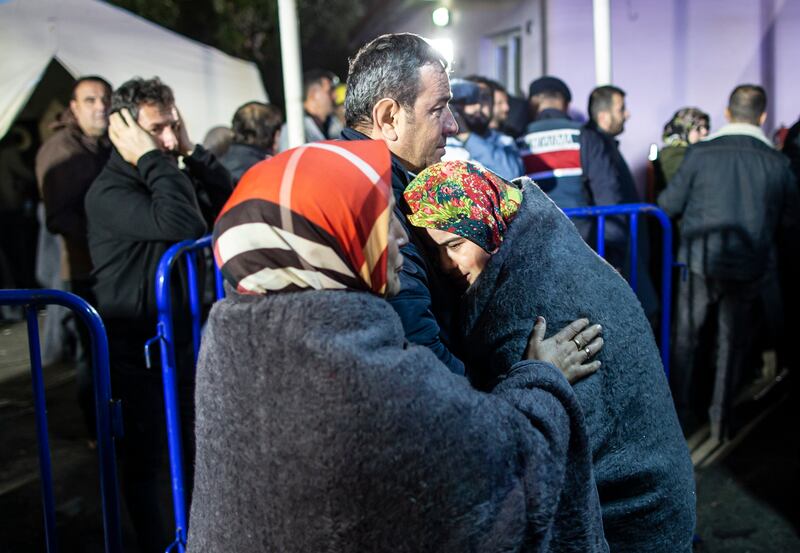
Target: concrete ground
column 747, row 491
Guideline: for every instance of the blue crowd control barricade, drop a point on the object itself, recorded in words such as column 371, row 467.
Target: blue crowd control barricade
column 632, row 211
column 186, row 252
column 109, row 419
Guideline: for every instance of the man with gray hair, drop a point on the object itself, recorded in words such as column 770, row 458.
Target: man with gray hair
column 735, row 196
column 398, row 91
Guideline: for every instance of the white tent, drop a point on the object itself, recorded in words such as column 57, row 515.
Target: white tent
column 88, row 37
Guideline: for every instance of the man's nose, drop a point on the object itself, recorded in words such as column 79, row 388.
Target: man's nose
column 450, row 125
column 169, row 139
column 402, row 239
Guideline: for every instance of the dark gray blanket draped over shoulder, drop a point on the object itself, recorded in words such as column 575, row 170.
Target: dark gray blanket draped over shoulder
column 320, row 429
column 641, row 462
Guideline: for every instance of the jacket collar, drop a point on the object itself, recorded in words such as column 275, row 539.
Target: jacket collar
column 551, row 113
column 400, row 176
column 741, row 129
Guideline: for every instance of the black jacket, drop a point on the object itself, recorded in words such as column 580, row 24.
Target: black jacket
column 241, row 157
column 641, row 462
column 135, row 214
column 733, row 194
column 421, row 293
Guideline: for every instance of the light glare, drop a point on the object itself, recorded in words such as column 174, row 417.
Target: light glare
column 441, row 17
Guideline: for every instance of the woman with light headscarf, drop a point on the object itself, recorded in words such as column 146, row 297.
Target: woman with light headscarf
column 518, row 257
column 320, row 428
column 687, row 126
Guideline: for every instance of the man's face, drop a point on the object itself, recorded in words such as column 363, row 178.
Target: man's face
column 322, row 96
column 613, row 121
column 423, row 130
column 501, row 109
column 479, row 115
column 394, row 261
column 163, row 125
column 90, row 107
column 460, row 259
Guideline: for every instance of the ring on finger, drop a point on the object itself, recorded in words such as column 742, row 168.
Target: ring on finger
column 587, row 352
column 577, row 343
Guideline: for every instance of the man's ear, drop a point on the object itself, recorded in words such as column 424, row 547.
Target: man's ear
column 384, row 118
column 73, row 106
column 727, row 114
column 761, row 119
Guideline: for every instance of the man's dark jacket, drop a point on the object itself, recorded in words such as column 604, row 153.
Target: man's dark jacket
column 135, row 214
column 791, row 147
column 66, row 165
column 733, row 194
column 641, row 462
column 421, row 292
column 599, row 183
column 241, row 157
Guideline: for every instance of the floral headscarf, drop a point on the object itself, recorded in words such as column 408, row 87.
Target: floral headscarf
column 464, row 199
column 314, row 217
column 676, row 131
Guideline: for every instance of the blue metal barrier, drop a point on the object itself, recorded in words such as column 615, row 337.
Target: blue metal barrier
column 109, row 419
column 633, row 211
column 165, row 335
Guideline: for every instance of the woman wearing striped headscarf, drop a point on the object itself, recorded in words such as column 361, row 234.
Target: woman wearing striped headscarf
column 519, row 258
column 319, row 428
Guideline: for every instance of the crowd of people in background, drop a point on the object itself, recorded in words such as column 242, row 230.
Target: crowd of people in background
column 429, row 353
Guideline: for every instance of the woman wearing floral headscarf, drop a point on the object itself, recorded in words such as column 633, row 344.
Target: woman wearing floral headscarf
column 687, row 126
column 319, row 428
column 518, row 257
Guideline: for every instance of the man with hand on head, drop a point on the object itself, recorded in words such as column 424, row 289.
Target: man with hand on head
column 139, row 205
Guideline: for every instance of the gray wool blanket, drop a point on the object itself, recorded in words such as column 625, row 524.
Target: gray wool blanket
column 641, row 463
column 320, row 429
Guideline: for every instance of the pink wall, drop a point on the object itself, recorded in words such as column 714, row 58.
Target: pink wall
column 671, row 53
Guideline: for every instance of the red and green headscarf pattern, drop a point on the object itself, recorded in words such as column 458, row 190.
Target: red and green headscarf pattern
column 464, row 199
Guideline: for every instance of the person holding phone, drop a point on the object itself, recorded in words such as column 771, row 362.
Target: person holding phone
column 141, row 204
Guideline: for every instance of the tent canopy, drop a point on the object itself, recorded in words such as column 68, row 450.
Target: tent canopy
column 88, row 37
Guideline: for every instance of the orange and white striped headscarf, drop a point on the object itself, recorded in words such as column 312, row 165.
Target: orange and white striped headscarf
column 314, row 217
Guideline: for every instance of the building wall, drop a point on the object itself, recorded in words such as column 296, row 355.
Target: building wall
column 674, row 53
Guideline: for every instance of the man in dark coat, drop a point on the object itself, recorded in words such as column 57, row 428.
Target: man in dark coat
column 607, row 116
column 407, row 108
column 570, row 164
column 256, row 127
column 735, row 196
column 139, row 205
column 66, row 165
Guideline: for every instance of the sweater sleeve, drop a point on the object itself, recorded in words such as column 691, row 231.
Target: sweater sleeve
column 213, row 179
column 503, row 159
column 164, row 209
column 674, row 197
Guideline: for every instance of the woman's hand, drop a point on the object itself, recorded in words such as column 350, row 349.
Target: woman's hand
column 569, row 349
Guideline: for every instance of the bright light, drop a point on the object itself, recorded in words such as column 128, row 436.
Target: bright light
column 445, row 48
column 441, row 17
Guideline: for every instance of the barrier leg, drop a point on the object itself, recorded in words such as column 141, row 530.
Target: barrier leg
column 172, row 412
column 219, row 282
column 601, row 236
column 633, row 278
column 45, row 464
column 194, row 300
